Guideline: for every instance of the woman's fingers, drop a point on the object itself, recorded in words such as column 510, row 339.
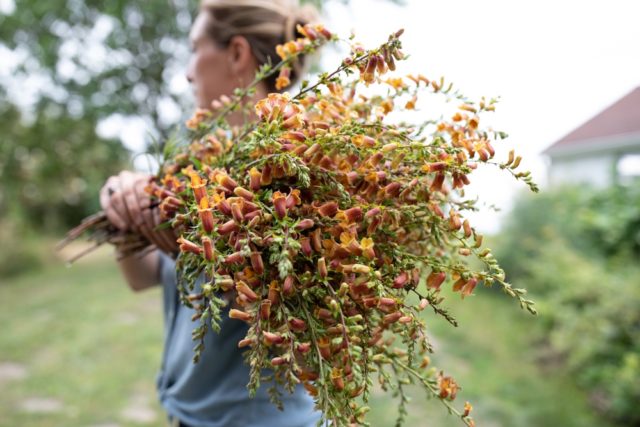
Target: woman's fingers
column 149, row 217
column 131, row 207
column 128, row 207
column 111, row 203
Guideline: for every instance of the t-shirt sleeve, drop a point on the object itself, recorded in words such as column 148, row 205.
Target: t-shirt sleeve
column 167, row 271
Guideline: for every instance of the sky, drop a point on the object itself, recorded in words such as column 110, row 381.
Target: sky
column 554, row 64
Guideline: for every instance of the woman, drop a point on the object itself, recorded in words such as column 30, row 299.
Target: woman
column 230, row 40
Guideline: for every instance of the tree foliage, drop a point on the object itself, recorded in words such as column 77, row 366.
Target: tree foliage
column 576, row 250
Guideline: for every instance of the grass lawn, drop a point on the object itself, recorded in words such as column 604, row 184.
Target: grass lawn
column 78, row 348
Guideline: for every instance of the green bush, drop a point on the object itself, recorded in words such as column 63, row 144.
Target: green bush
column 18, row 253
column 577, row 251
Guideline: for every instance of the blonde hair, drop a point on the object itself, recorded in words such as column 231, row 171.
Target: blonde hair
column 264, row 23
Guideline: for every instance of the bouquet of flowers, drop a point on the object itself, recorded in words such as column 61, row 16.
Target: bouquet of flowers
column 334, row 227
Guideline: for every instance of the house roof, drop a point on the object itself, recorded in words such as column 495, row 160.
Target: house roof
column 621, row 118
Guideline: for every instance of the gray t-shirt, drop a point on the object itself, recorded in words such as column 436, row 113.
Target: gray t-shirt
column 212, row 392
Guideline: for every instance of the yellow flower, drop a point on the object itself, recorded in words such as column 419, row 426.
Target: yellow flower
column 367, row 247
column 396, row 82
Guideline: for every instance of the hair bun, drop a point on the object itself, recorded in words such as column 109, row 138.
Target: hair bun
column 302, row 16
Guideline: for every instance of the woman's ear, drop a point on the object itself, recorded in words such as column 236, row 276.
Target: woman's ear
column 240, row 56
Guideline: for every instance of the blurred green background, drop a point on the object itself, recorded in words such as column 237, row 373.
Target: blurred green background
column 77, row 348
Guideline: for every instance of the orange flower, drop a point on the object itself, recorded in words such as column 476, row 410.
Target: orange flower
column 254, row 179
column 280, row 204
column 411, row 104
column 367, row 247
column 283, row 78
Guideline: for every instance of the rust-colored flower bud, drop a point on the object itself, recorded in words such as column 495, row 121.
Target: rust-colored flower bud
column 328, row 209
column 295, row 135
column 388, row 58
column 324, row 346
column 454, row 221
column 323, row 313
column 489, row 148
column 459, row 284
column 391, row 318
column 353, row 214
column 206, row 218
column 256, row 262
column 392, row 190
column 464, row 251
column 400, row 281
column 245, row 342
column 274, row 292
column 207, row 246
column 436, row 210
column 305, row 245
column 381, row 68
column 236, row 212
column 323, row 31
column 322, row 268
column 305, row 224
column 436, row 185
column 253, row 218
column 293, row 199
column 283, row 78
column 360, row 268
column 226, row 181
column 199, row 187
column 265, row 309
column 304, row 347
column 336, row 379
column 234, row 258
column 244, row 289
column 225, row 284
column 244, row 193
column 468, row 287
column 254, row 179
column 297, row 325
column 435, row 279
column 228, row 227
column 372, row 212
column 386, row 302
column 272, row 339
column 277, row 361
column 467, row 228
column 240, row 315
column 267, row 175
column 293, row 122
column 189, row 246
column 288, row 286
column 280, row 204
column 224, row 207
column 370, row 302
column 374, row 225
column 316, row 240
column 369, row 71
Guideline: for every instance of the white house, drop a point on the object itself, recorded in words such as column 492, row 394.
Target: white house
column 603, row 151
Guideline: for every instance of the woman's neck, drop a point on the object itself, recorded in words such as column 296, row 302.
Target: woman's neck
column 238, row 118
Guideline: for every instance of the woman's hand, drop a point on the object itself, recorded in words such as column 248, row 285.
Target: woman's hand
column 128, row 207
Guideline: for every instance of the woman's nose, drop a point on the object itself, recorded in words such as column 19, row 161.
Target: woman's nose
column 189, row 74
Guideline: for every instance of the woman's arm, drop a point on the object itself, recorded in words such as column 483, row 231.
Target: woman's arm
column 140, row 272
